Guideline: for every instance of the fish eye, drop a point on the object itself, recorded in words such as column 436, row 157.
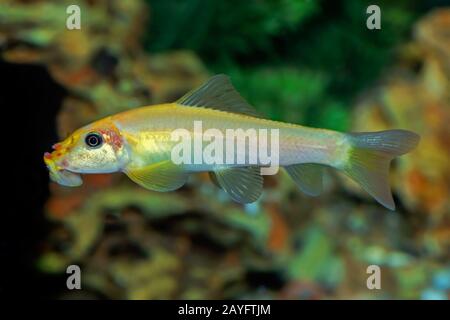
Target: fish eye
column 93, row 140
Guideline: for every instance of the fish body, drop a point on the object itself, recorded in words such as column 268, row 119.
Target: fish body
column 140, row 142
column 148, row 132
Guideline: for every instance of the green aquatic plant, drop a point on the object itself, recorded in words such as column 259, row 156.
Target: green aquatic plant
column 305, row 61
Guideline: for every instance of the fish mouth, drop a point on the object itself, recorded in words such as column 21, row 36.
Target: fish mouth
column 59, row 174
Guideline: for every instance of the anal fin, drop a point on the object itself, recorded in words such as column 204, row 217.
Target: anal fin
column 308, row 177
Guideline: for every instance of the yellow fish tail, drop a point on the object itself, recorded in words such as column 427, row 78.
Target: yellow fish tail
column 369, row 159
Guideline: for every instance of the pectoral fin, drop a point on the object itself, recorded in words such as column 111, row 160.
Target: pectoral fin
column 162, row 176
column 308, row 177
column 244, row 185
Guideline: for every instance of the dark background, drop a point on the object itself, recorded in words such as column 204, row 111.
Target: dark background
column 32, row 98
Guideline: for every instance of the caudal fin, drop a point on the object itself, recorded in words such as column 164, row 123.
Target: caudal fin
column 370, row 156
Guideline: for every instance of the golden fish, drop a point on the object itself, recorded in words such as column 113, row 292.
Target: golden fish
column 140, row 143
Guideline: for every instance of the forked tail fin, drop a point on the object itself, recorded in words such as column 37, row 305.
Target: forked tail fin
column 369, row 158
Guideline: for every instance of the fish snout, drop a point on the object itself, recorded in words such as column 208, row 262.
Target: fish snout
column 56, row 159
column 57, row 166
column 57, row 146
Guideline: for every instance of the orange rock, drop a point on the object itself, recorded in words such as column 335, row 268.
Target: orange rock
column 279, row 231
column 59, row 207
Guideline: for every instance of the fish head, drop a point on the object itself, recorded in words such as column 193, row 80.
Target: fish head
column 95, row 148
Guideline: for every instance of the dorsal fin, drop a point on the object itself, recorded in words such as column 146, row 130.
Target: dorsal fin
column 218, row 93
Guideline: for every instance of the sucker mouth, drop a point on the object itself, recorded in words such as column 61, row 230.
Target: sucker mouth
column 61, row 175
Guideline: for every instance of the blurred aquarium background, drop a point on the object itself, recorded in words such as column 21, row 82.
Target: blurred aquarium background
column 311, row 62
